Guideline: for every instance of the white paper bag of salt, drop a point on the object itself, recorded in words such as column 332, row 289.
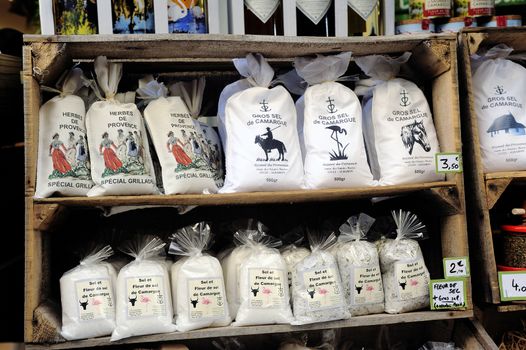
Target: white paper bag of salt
column 198, row 288
column 63, row 161
column 262, row 287
column 404, row 272
column 88, row 298
column 360, row 267
column 499, row 87
column 144, row 300
column 120, row 156
column 317, row 291
column 399, row 131
column 185, row 168
column 332, row 126
column 205, row 140
column 262, row 151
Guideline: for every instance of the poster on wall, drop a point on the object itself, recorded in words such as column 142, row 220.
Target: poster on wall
column 75, row 17
column 132, row 16
column 187, row 16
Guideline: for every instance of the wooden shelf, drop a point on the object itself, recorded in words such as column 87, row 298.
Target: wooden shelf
column 514, row 175
column 360, row 321
column 252, row 197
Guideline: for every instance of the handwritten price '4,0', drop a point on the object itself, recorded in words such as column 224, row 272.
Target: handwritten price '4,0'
column 449, row 162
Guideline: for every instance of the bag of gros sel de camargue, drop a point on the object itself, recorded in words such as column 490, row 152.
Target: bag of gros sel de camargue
column 88, row 298
column 206, row 140
column 399, row 132
column 262, row 151
column 499, row 87
column 144, row 301
column 198, row 288
column 404, row 272
column 63, row 161
column 120, row 156
column 332, row 126
column 185, row 167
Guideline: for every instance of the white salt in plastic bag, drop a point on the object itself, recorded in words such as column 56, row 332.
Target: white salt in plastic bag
column 399, row 131
column 205, row 140
column 293, row 252
column 198, row 288
column 144, row 301
column 317, row 291
column 120, row 156
column 332, row 126
column 404, row 272
column 231, row 262
column 359, row 267
column 185, row 168
column 262, row 151
column 263, row 289
column 63, row 160
column 499, row 87
column 88, row 298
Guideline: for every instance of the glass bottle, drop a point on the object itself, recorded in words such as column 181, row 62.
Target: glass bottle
column 263, row 17
column 364, row 18
column 315, row 17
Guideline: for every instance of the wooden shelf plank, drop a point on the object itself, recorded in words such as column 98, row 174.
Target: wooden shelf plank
column 247, row 198
column 369, row 320
column 511, row 307
column 515, row 175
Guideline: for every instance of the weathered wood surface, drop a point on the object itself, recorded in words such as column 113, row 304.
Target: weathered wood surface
column 249, row 197
column 359, row 321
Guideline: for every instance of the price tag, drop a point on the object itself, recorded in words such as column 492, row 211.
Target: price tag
column 448, row 294
column 512, row 285
column 448, row 163
column 456, row 267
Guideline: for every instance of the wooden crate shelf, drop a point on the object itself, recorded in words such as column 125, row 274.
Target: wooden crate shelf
column 445, row 190
column 434, row 56
column 359, row 321
column 483, row 190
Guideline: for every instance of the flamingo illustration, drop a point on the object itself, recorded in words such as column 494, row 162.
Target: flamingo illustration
column 340, row 155
column 176, row 10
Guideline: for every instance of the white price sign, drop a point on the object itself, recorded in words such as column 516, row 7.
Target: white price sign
column 447, row 294
column 512, row 285
column 448, row 163
column 456, row 267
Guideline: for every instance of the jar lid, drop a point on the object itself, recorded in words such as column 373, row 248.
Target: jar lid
column 510, row 268
column 514, row 228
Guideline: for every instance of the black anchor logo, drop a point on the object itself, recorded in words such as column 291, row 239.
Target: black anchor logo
column 331, row 107
column 264, row 106
column 404, row 100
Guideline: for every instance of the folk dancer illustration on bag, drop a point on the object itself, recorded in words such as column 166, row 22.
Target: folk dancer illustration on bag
column 269, row 143
column 187, row 145
column 82, row 167
column 112, row 163
column 197, row 150
column 121, row 144
column 134, row 162
column 57, row 152
column 415, row 133
column 175, row 146
column 71, row 149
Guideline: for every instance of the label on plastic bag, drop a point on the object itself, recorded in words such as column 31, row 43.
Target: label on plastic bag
column 266, row 288
column 411, row 279
column 95, row 297
column 323, row 287
column 367, row 285
column 145, row 297
column 207, row 298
